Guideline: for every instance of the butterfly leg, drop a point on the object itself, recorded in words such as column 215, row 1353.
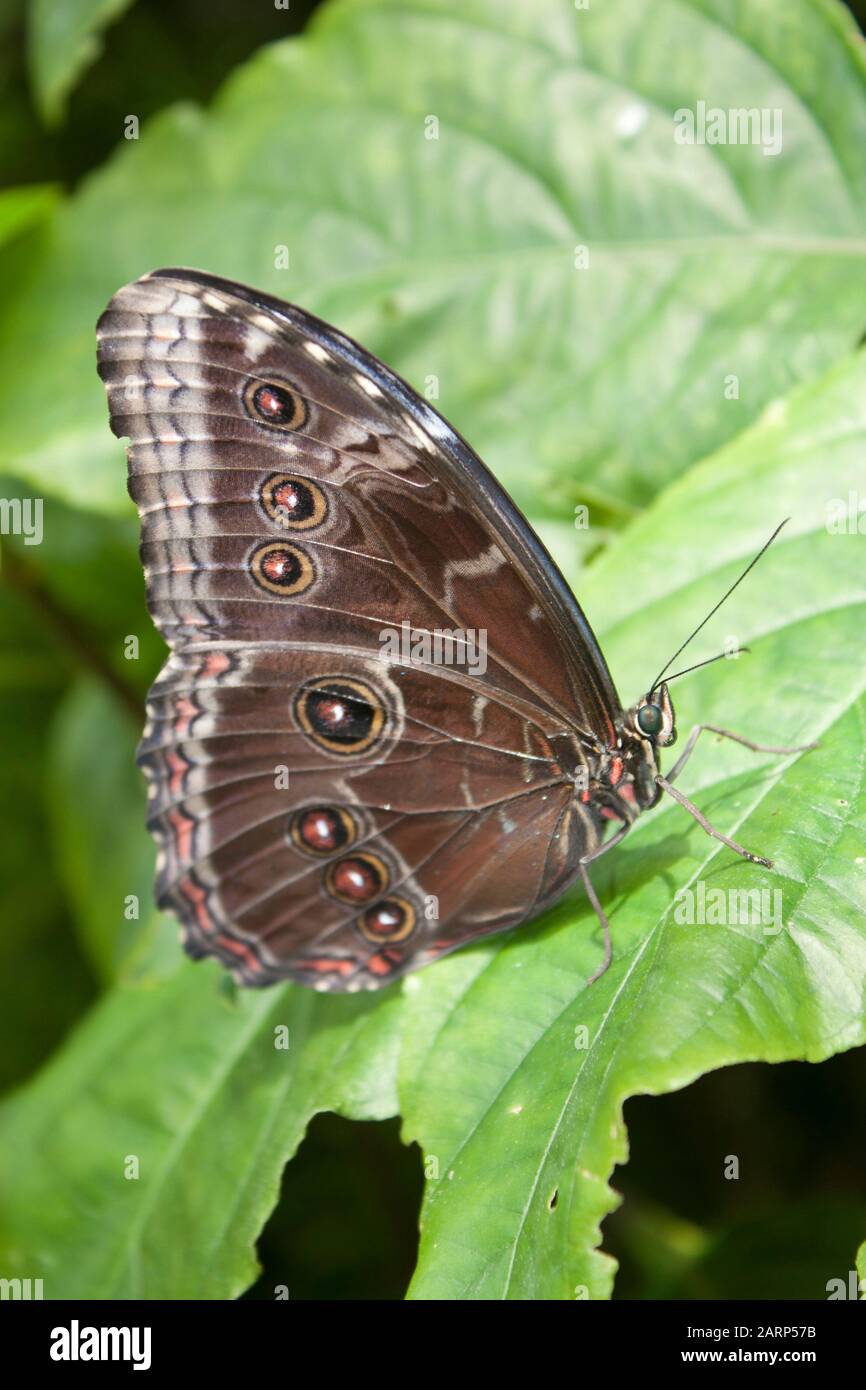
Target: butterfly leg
column 605, row 924
column 665, row 784
column 594, row 902
column 710, row 829
column 736, row 738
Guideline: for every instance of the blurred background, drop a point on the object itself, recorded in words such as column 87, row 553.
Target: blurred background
column 346, row 1225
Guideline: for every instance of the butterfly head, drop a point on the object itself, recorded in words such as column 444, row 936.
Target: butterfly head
column 654, row 717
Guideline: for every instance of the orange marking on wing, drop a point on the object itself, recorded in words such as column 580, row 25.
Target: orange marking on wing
column 237, row 948
column 215, row 664
column 325, row 966
column 195, row 894
column 183, row 827
column 178, row 768
column 185, row 712
column 383, row 962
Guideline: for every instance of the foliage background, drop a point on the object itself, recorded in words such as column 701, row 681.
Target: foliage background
column 451, row 256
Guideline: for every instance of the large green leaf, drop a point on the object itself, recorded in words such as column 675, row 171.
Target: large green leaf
column 196, row 1091
column 521, row 1126
column 525, row 1125
column 454, row 257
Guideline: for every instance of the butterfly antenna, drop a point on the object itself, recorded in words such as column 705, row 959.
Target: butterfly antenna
column 723, row 599
column 709, row 661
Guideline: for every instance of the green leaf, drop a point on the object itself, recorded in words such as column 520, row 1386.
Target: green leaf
column 99, row 839
column 44, row 982
column 521, row 1121
column 191, row 1093
column 718, row 274
column 64, row 40
column 21, row 207
column 63, row 860
column 861, row 1269
column 83, row 578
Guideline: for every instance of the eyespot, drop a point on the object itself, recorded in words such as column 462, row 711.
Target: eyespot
column 357, row 879
column 649, row 720
column 393, row 919
column 281, row 568
column 340, row 714
column 295, row 503
column 322, row 830
column 274, row 403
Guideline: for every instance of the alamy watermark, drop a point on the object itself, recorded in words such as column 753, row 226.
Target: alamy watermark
column 20, row 1289
column 465, row 648
column 853, row 1288
column 77, row 1343
column 729, row 907
column 738, row 125
column 22, row 516
column 846, row 516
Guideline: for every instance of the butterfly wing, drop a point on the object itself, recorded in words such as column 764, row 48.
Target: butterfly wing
column 336, row 801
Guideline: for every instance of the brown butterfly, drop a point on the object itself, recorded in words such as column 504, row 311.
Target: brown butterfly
column 385, row 727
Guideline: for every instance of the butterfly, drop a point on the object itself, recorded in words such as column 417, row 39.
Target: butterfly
column 385, row 727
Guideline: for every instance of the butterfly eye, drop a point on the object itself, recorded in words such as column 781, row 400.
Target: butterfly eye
column 274, row 403
column 649, row 720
